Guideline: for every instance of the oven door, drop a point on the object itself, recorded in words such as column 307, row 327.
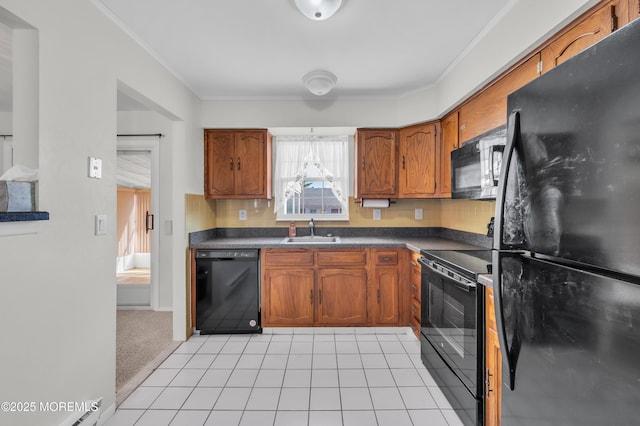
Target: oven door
column 451, row 322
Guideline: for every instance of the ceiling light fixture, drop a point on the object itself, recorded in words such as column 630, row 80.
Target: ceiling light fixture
column 319, row 82
column 318, row 10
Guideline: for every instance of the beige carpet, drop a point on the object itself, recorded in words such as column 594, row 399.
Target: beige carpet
column 141, row 336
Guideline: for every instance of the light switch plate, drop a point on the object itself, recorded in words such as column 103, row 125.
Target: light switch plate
column 101, row 224
column 377, row 214
column 242, row 214
column 419, row 214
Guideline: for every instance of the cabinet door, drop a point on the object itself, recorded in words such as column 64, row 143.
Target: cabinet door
column 595, row 27
column 377, row 174
column 219, row 168
column 387, row 296
column 288, row 297
column 342, row 296
column 488, row 110
column 493, row 365
column 250, row 163
column 417, row 161
column 448, row 142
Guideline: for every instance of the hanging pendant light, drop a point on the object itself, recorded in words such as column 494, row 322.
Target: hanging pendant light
column 318, row 10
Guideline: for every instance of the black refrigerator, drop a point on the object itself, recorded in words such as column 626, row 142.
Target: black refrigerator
column 566, row 258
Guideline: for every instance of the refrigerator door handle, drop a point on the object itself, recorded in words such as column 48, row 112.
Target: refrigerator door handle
column 513, row 133
column 509, row 354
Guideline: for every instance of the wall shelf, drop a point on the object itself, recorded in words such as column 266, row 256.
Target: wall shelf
column 21, row 223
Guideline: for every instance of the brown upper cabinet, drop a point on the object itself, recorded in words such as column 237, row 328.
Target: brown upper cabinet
column 376, row 163
column 448, row 142
column 488, row 109
column 418, row 161
column 237, row 163
column 593, row 28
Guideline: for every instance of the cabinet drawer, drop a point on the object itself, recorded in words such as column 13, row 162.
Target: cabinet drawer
column 292, row 257
column 386, row 258
column 342, row 258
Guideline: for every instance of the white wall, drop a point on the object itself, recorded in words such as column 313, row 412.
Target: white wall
column 58, row 298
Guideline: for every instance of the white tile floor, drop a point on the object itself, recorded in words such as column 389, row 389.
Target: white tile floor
column 300, row 376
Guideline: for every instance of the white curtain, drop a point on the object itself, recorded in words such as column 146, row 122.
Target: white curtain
column 293, row 154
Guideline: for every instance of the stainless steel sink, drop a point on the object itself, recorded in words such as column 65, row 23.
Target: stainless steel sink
column 311, row 240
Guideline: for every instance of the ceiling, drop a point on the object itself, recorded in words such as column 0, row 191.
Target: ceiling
column 260, row 49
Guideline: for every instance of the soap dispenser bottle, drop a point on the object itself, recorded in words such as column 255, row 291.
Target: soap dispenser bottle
column 292, row 229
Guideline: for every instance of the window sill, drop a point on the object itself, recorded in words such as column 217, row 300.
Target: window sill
column 21, row 223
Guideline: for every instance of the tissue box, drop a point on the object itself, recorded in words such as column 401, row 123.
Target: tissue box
column 17, row 196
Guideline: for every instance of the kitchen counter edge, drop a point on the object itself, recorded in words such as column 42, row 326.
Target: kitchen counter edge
column 412, row 244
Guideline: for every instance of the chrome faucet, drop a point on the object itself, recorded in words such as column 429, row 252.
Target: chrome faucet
column 312, row 227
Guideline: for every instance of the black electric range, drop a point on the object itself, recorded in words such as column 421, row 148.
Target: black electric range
column 452, row 327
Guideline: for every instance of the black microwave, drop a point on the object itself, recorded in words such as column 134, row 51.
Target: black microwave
column 475, row 167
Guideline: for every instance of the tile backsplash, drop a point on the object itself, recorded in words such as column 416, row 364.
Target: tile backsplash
column 462, row 215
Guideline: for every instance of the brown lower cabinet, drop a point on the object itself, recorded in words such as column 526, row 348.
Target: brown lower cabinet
column 493, row 364
column 288, row 297
column 342, row 297
column 328, row 287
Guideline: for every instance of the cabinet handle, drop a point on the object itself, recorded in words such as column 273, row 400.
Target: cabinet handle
column 311, row 297
column 488, row 382
column 387, row 259
column 230, row 163
column 378, row 296
column 403, row 162
column 413, row 308
column 320, row 301
column 363, row 162
column 238, row 163
column 413, row 287
column 413, row 263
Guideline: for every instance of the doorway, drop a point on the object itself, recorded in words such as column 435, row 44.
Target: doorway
column 137, row 202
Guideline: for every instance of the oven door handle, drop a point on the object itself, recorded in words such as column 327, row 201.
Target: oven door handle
column 468, row 287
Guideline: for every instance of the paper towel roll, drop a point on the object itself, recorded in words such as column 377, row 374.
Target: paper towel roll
column 375, row 203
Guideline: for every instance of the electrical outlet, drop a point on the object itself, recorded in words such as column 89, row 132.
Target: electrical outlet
column 242, row 214
column 95, row 168
column 377, row 214
column 419, row 214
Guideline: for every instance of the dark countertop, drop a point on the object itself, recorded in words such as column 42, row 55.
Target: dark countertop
column 414, row 244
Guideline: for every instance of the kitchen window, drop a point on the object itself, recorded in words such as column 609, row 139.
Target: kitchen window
column 311, row 175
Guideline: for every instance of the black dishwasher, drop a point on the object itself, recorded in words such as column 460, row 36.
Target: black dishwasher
column 227, row 291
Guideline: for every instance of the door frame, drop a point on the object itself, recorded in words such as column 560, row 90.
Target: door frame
column 7, row 153
column 133, row 143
